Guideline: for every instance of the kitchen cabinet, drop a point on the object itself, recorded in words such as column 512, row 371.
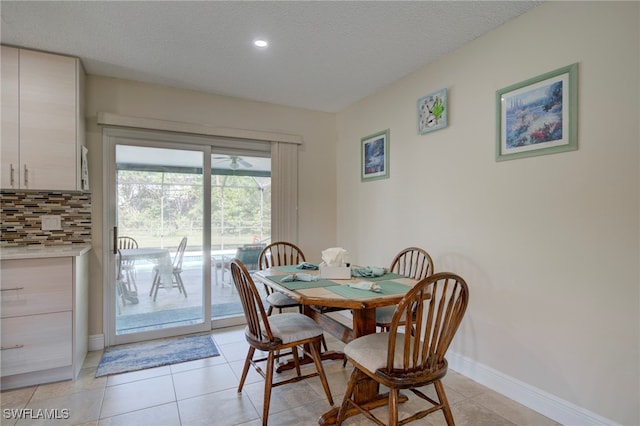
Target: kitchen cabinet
column 42, row 120
column 44, row 318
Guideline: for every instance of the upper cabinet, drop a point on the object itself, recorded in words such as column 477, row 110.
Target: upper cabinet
column 42, row 120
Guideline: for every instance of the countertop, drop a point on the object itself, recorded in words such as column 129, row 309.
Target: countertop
column 41, row 251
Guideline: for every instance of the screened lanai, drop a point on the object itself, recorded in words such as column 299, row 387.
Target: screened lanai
column 160, row 201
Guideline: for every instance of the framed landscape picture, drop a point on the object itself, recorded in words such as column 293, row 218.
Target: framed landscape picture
column 538, row 116
column 374, row 156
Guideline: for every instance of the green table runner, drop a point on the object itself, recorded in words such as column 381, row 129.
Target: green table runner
column 301, row 285
column 293, row 269
column 388, row 287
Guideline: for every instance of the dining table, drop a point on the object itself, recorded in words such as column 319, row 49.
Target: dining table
column 322, row 296
column 161, row 257
column 150, row 253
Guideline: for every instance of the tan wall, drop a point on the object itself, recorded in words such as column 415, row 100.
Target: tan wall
column 317, row 172
column 549, row 245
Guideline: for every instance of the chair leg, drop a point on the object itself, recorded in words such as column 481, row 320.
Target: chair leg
column 393, row 407
column 155, row 286
column 268, row 381
column 154, row 282
column 342, row 413
column 442, row 396
column 315, row 354
column 245, row 370
column 180, row 284
column 296, row 359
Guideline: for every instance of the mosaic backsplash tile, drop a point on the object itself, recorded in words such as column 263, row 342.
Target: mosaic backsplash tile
column 20, row 222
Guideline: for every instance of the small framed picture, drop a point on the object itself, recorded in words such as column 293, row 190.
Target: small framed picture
column 374, row 156
column 432, row 111
column 538, row 116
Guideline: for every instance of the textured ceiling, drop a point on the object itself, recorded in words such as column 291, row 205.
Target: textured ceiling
column 324, row 55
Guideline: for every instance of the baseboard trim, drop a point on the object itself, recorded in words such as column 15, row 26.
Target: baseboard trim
column 96, row 342
column 538, row 400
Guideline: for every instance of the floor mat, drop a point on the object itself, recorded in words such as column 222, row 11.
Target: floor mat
column 155, row 353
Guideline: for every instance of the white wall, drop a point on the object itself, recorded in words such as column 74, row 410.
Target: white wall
column 549, row 245
column 317, row 199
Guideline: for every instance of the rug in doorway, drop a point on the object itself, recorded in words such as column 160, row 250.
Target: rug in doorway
column 155, row 353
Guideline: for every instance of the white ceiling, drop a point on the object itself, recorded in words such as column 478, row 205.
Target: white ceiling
column 324, row 55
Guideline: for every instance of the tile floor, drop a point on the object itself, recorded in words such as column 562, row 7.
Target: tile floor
column 203, row 392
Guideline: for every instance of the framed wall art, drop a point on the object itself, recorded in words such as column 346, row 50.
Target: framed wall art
column 538, row 116
column 432, row 111
column 374, row 156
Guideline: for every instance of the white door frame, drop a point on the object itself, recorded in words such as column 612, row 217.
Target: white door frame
column 112, row 137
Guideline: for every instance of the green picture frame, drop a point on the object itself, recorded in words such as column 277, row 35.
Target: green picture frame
column 374, row 156
column 538, row 116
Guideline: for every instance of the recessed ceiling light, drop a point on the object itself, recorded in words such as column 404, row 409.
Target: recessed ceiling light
column 261, row 43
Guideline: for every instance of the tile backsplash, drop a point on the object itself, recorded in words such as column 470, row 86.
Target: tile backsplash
column 21, row 211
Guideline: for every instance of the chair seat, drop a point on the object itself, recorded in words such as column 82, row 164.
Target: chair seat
column 384, row 314
column 280, row 300
column 291, row 327
column 370, row 351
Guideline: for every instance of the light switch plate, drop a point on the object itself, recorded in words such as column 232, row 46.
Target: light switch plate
column 51, row 222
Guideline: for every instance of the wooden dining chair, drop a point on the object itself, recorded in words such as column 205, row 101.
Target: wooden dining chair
column 277, row 335
column 176, row 273
column 280, row 253
column 129, row 266
column 412, row 262
column 400, row 360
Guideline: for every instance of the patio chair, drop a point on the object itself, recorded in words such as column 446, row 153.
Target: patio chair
column 176, row 271
column 129, row 266
column 277, row 335
column 400, row 360
column 412, row 262
column 249, row 254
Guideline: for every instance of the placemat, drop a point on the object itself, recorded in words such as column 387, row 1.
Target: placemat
column 300, row 285
column 388, row 287
column 385, row 277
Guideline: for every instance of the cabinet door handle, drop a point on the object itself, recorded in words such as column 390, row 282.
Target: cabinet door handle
column 12, row 289
column 12, row 175
column 6, row 348
column 26, row 176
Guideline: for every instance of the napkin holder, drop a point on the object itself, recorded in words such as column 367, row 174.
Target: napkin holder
column 335, row 272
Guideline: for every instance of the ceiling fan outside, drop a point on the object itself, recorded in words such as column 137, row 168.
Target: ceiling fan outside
column 235, row 162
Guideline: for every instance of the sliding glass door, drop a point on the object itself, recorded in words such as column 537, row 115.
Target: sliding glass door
column 240, row 224
column 160, row 244
column 176, row 213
